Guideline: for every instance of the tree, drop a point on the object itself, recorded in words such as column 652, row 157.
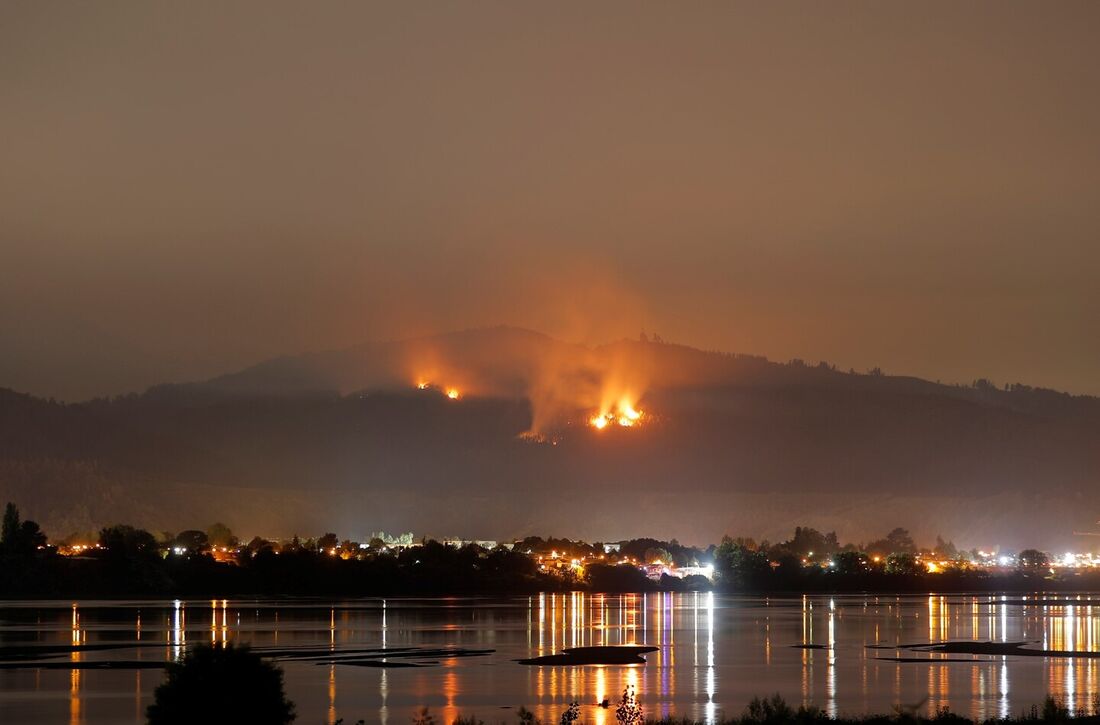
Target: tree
column 126, row 542
column 902, row 564
column 192, row 541
column 611, row 578
column 946, row 549
column 348, row 548
column 656, row 555
column 19, row 538
column 218, row 534
column 901, row 541
column 258, row 544
column 328, row 542
column 1033, row 559
column 30, row 536
column 132, row 561
column 849, row 562
column 897, row 541
column 734, row 565
column 221, row 685
column 808, row 542
column 11, row 524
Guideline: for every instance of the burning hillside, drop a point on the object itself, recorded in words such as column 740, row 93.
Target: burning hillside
column 753, row 439
column 449, row 391
column 624, row 414
column 563, row 386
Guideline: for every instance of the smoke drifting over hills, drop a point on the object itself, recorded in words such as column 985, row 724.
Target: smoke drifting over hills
column 346, row 440
column 189, row 188
column 557, row 380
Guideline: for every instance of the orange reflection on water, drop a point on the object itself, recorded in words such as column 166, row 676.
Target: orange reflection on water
column 939, row 619
column 219, row 628
column 683, row 675
column 578, row 619
column 450, row 691
column 807, row 653
column 76, row 715
column 1072, row 627
column 139, row 711
column 331, row 694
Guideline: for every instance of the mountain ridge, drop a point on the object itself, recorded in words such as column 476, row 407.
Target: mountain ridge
column 734, row 444
column 290, row 374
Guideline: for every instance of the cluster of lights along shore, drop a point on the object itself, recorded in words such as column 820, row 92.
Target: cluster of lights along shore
column 556, row 562
column 624, row 413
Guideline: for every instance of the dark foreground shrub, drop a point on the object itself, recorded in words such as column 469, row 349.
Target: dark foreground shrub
column 214, row 685
column 774, row 710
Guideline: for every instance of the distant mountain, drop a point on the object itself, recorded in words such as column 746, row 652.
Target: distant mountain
column 345, row 441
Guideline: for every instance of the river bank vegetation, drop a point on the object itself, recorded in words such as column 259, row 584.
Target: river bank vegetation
column 122, row 561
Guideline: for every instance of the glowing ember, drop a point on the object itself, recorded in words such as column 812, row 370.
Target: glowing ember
column 422, row 386
column 538, row 438
column 452, row 393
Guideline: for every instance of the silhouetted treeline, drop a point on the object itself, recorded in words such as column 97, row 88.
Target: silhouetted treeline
column 743, row 566
column 127, row 561
column 435, row 569
column 134, row 569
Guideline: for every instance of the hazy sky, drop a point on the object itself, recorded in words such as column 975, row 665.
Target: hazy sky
column 186, row 188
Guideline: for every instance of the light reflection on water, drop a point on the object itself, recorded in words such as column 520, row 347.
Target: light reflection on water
column 714, row 653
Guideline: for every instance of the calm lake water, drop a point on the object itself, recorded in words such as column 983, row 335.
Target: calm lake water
column 715, row 652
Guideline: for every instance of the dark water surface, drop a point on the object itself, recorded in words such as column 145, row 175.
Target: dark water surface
column 714, row 653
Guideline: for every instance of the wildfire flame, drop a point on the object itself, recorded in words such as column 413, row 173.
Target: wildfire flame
column 628, row 414
column 623, row 414
column 451, row 392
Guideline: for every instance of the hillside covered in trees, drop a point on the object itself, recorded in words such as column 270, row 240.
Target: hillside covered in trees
column 731, row 443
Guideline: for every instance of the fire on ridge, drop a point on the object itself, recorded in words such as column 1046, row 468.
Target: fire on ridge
column 450, row 391
column 602, row 398
column 623, row 413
